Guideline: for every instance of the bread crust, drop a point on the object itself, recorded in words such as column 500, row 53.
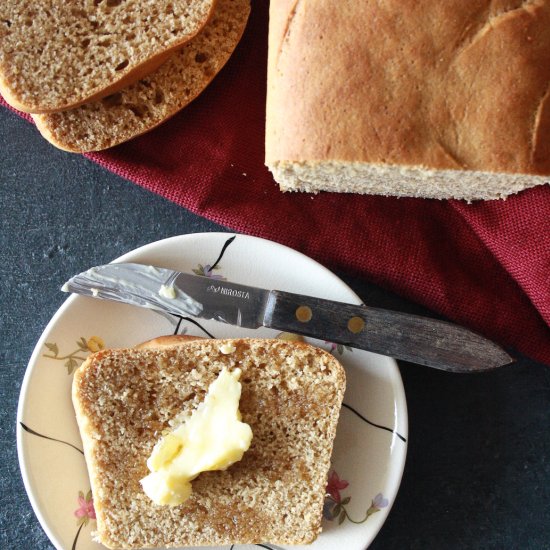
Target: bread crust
column 382, row 84
column 291, row 398
column 167, row 341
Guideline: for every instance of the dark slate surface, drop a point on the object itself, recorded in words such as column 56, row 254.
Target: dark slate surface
column 478, row 468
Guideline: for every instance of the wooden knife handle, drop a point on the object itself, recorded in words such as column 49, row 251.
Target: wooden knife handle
column 413, row 338
column 319, row 318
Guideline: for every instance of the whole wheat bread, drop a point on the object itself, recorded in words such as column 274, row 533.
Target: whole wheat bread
column 426, row 99
column 56, row 54
column 145, row 104
column 291, row 397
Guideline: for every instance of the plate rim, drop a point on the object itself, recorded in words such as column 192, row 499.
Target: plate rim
column 394, row 480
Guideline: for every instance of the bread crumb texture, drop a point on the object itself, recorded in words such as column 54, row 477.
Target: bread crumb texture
column 291, row 397
column 428, row 99
column 55, row 53
column 145, row 104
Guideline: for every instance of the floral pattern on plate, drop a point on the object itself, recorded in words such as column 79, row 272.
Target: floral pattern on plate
column 73, row 359
column 335, row 505
column 84, row 513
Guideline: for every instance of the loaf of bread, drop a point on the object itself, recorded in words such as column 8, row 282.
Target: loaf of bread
column 291, row 397
column 424, row 99
column 56, row 54
column 145, row 104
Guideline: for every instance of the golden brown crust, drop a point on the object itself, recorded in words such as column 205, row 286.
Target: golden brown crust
column 291, row 396
column 465, row 89
column 167, row 341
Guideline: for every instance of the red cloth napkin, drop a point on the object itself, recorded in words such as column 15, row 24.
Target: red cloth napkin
column 484, row 265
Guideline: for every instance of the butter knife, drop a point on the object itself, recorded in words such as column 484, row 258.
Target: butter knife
column 412, row 338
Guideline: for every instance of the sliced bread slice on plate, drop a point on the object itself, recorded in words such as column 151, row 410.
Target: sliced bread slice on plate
column 291, row 397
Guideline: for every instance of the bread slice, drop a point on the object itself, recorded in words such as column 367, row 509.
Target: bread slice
column 161, row 94
column 55, row 54
column 291, row 397
column 424, row 99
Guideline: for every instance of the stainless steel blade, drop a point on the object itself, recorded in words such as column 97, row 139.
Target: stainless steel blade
column 231, row 303
column 134, row 284
column 174, row 292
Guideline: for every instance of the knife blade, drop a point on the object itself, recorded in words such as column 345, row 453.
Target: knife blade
column 413, row 338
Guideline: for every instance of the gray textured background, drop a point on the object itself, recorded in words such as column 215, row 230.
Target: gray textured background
column 478, row 468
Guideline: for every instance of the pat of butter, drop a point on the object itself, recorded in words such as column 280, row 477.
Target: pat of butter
column 213, row 438
column 167, row 291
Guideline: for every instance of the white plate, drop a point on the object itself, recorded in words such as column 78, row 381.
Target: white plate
column 370, row 448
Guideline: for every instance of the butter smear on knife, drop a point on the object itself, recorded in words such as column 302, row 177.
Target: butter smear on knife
column 167, row 292
column 212, row 438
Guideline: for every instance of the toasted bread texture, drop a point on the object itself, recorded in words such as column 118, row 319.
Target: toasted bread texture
column 161, row 94
column 291, row 398
column 426, row 99
column 56, row 54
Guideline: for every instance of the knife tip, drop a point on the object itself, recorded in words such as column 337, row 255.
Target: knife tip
column 501, row 358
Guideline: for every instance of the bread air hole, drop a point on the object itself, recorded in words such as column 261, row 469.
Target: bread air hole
column 112, row 100
column 113, row 3
column 159, row 97
column 200, row 57
column 138, row 110
column 122, row 65
column 85, row 43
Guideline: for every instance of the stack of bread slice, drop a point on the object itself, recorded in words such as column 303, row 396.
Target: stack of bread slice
column 100, row 73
